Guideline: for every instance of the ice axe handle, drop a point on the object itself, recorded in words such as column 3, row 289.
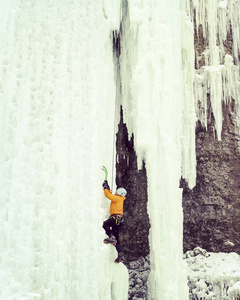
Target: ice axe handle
column 106, row 172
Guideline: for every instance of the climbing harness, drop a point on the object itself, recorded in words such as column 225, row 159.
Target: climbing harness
column 117, row 218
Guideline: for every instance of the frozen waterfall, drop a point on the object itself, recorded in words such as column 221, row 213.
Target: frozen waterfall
column 57, row 109
column 57, row 114
column 57, row 101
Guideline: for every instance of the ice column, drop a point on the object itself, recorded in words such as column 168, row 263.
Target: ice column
column 57, row 96
column 188, row 102
column 151, row 69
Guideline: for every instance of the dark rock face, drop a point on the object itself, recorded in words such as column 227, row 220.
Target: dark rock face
column 134, row 234
column 211, row 208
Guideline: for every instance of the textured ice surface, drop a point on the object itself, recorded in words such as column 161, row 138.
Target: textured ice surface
column 220, row 22
column 57, row 108
column 153, row 108
column 213, row 275
column 56, row 130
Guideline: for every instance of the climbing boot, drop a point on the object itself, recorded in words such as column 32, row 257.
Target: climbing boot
column 111, row 240
column 120, row 258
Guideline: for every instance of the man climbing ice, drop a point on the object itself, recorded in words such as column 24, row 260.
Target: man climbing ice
column 113, row 224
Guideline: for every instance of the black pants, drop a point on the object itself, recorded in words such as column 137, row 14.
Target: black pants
column 111, row 227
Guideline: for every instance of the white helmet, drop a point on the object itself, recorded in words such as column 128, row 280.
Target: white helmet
column 121, row 192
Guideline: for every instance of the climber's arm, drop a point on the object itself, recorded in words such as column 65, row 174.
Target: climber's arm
column 110, row 196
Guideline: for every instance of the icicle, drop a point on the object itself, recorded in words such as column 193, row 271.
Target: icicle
column 188, row 113
column 220, row 81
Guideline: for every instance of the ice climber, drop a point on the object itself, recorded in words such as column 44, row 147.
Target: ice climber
column 115, row 221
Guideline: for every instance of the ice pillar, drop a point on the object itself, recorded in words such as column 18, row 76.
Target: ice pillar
column 151, row 72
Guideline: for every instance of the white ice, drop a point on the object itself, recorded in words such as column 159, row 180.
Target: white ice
column 57, row 95
column 154, row 110
column 213, row 276
column 57, row 121
column 220, row 78
column 57, row 106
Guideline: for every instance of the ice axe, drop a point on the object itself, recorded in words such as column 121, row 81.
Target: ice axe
column 106, row 172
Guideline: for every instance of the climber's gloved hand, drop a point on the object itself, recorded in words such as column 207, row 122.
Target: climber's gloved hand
column 105, row 185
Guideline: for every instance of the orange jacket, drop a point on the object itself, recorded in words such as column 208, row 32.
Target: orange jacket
column 116, row 206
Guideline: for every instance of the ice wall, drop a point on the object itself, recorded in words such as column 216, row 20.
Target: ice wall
column 151, row 72
column 57, row 95
column 219, row 78
column 57, row 106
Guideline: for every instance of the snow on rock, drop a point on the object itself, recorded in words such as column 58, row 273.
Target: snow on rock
column 213, row 276
column 234, row 291
column 138, row 278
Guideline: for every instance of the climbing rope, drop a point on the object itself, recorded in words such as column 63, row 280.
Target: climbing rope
column 113, row 150
column 114, row 138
